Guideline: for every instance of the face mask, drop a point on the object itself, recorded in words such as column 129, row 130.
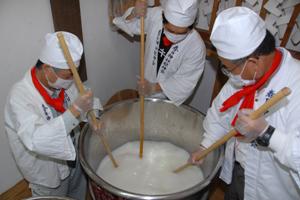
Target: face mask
column 237, row 80
column 60, row 83
column 175, row 38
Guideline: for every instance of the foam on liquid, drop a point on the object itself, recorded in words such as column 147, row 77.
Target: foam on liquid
column 153, row 174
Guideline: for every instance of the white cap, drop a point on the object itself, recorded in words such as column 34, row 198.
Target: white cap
column 237, row 32
column 180, row 13
column 53, row 55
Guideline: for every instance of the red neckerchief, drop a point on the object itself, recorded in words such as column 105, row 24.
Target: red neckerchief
column 166, row 41
column 248, row 92
column 56, row 103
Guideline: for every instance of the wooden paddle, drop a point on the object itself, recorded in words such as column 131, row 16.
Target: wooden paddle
column 142, row 102
column 81, row 89
column 256, row 114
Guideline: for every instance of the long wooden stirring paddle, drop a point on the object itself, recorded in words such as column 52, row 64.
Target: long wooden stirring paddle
column 256, row 114
column 142, row 102
column 81, row 89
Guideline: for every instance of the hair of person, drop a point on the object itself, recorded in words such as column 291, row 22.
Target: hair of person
column 39, row 64
column 266, row 47
column 165, row 21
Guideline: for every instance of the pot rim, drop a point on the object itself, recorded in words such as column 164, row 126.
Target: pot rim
column 49, row 197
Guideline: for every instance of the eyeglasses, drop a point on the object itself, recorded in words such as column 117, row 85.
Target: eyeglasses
column 226, row 71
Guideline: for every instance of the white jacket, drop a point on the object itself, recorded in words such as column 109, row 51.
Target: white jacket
column 40, row 142
column 183, row 64
column 274, row 172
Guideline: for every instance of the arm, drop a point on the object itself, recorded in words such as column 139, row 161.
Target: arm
column 49, row 138
column 285, row 140
column 147, row 88
column 181, row 85
column 278, row 131
column 286, row 147
column 140, row 10
column 217, row 124
column 286, row 150
column 130, row 23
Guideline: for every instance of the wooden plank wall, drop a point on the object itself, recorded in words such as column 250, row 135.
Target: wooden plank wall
column 66, row 17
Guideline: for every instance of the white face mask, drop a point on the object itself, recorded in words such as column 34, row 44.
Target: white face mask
column 237, row 80
column 60, row 83
column 175, row 38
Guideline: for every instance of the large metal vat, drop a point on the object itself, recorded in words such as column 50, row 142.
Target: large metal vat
column 49, row 198
column 164, row 121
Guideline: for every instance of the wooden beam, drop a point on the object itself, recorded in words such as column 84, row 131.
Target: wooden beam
column 263, row 11
column 238, row 2
column 219, row 82
column 66, row 17
column 295, row 54
column 290, row 26
column 213, row 14
column 157, row 2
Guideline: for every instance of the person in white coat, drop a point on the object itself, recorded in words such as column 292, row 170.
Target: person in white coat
column 174, row 50
column 262, row 163
column 42, row 114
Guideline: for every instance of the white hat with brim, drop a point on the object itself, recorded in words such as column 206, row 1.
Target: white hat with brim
column 181, row 13
column 52, row 53
column 237, row 32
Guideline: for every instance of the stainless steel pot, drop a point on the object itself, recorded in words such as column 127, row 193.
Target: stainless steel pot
column 49, row 198
column 164, row 121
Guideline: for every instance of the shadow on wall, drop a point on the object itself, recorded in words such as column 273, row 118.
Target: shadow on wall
column 202, row 94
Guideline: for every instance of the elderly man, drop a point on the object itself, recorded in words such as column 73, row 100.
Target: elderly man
column 175, row 52
column 264, row 162
column 42, row 114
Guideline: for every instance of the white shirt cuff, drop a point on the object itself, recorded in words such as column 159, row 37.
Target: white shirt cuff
column 277, row 141
column 121, row 22
column 207, row 142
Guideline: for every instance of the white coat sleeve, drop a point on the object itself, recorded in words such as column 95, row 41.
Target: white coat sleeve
column 181, row 85
column 217, row 124
column 287, row 150
column 49, row 138
column 133, row 27
column 285, row 141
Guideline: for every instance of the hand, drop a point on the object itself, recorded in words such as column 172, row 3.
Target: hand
column 84, row 102
column 140, row 8
column 96, row 126
column 248, row 127
column 146, row 88
column 196, row 154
